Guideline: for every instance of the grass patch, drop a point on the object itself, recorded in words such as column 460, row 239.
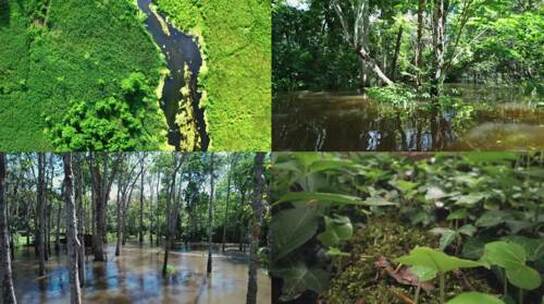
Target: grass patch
column 235, row 37
column 82, row 54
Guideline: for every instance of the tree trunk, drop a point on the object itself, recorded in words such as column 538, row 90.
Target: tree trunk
column 242, row 203
column 81, row 221
column 439, row 23
column 210, row 220
column 141, row 232
column 227, row 206
column 170, row 221
column 72, row 242
column 57, row 237
column 256, row 223
column 42, row 211
column 419, row 42
column 398, row 44
column 363, row 54
column 8, row 292
column 157, row 214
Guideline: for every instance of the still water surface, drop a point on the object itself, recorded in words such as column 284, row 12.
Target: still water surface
column 135, row 277
column 326, row 121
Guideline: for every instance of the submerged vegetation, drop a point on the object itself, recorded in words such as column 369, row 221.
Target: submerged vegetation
column 59, row 55
column 413, row 228
column 235, row 78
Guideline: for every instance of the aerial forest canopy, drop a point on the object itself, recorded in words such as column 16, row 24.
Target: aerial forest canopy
column 339, row 45
column 133, row 227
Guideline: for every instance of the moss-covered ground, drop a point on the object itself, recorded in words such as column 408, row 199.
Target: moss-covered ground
column 235, row 37
column 71, row 51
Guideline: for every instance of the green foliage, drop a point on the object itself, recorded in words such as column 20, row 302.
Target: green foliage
column 396, row 96
column 111, row 124
column 76, row 57
column 475, row 298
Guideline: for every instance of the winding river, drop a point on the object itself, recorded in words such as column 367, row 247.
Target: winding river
column 179, row 49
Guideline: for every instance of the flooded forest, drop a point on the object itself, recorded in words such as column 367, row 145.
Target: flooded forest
column 396, row 75
column 146, row 227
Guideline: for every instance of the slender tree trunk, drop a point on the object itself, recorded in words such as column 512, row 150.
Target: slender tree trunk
column 119, row 219
column 141, row 232
column 210, row 220
column 419, row 42
column 57, row 237
column 42, row 210
column 439, row 46
column 170, row 220
column 242, row 203
column 157, row 215
column 81, row 221
column 71, row 230
column 394, row 67
column 363, row 54
column 227, row 206
column 256, row 223
column 8, row 292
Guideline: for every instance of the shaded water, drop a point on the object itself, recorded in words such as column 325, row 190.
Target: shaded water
column 179, row 49
column 135, row 277
column 344, row 122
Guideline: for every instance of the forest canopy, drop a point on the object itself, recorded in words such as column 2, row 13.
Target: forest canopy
column 317, row 43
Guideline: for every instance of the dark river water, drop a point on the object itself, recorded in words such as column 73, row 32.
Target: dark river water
column 136, row 277
column 179, row 49
column 348, row 122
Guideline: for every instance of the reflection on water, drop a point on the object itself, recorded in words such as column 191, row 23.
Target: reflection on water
column 340, row 122
column 135, row 277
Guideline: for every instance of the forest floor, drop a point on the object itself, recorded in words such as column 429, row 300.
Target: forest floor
column 235, row 38
column 81, row 54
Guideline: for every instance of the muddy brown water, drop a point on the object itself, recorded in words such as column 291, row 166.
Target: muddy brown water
column 135, row 277
column 324, row 121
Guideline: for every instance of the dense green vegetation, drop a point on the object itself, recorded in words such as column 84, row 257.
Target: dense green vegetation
column 235, row 38
column 339, row 45
column 59, row 55
column 415, row 228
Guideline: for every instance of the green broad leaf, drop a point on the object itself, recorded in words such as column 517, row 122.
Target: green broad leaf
column 437, row 260
column 424, row 273
column 377, row 201
column 320, row 197
column 473, row 248
column 297, row 278
column 492, row 218
column 467, row 230
column 331, row 164
column 524, row 277
column 447, row 236
column 469, row 199
column 533, row 247
column 504, row 254
column 457, row 215
column 475, row 298
column 333, row 251
column 292, row 228
column 517, row 226
column 337, row 229
column 402, row 185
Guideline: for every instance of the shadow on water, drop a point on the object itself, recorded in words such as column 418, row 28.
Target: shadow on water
column 135, row 277
column 179, row 50
column 340, row 122
column 4, row 13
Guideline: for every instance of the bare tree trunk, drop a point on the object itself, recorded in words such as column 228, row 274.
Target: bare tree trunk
column 374, row 66
column 439, row 46
column 157, row 215
column 419, row 42
column 256, row 223
column 141, row 232
column 42, row 210
column 210, row 219
column 81, row 220
column 72, row 241
column 241, row 236
column 8, row 292
column 57, row 237
column 398, row 44
column 227, row 205
column 170, row 220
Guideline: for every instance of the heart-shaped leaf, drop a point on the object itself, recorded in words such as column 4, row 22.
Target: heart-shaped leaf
column 475, row 298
